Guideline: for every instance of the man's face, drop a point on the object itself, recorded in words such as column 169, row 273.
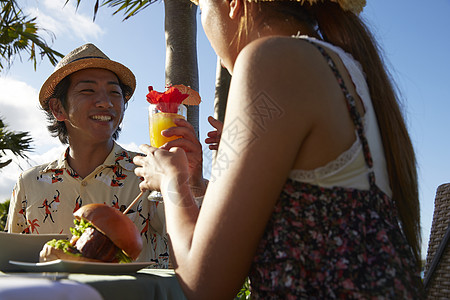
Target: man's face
column 95, row 105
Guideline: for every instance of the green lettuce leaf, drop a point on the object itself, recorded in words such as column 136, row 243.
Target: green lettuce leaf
column 63, row 245
column 122, row 257
column 80, row 227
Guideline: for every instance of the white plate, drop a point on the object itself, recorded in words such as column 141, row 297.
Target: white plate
column 22, row 247
column 81, row 267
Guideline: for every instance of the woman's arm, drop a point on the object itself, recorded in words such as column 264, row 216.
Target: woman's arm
column 265, row 126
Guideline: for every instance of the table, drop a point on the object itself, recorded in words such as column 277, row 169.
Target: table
column 145, row 284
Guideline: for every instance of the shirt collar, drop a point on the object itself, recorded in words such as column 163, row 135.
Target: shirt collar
column 120, row 156
column 117, row 156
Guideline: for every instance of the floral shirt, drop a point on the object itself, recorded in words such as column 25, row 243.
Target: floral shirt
column 45, row 197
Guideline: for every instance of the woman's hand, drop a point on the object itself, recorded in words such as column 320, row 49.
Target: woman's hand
column 189, row 142
column 161, row 167
column 214, row 136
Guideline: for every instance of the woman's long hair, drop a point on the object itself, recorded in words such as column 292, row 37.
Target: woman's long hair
column 347, row 31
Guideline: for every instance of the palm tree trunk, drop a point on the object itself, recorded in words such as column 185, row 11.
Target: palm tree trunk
column 181, row 49
column 223, row 79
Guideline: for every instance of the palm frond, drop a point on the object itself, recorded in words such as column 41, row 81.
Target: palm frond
column 16, row 142
column 129, row 8
column 19, row 34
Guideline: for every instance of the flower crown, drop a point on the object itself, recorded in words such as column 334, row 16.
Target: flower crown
column 355, row 6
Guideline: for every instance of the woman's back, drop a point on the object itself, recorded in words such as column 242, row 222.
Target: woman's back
column 335, row 242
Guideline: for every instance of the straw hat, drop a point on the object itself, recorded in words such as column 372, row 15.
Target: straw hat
column 84, row 57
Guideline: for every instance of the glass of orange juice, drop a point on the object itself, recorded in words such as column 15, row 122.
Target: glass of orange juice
column 159, row 121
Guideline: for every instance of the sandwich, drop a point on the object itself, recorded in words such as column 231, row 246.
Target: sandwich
column 101, row 234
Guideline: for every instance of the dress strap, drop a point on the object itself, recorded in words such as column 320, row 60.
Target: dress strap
column 351, row 106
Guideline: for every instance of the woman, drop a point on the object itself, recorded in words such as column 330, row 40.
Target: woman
column 314, row 192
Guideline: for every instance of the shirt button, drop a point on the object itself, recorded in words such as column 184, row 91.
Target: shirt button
column 84, row 183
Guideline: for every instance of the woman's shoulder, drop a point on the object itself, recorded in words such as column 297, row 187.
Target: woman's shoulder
column 282, row 56
column 275, row 42
column 280, row 49
column 283, row 63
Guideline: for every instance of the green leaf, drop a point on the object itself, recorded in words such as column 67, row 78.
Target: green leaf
column 129, row 8
column 80, row 227
column 16, row 142
column 19, row 34
column 244, row 293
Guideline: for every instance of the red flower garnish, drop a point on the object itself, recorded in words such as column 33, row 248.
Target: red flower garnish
column 168, row 101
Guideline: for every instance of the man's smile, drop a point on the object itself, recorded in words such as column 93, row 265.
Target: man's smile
column 104, row 118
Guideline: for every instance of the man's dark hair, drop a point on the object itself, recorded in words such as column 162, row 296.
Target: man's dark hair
column 58, row 128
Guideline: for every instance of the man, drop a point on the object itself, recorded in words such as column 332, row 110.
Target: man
column 85, row 100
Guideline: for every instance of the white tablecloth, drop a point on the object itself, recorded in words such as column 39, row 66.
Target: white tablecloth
column 27, row 287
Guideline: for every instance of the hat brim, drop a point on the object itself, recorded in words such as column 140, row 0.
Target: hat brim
column 123, row 73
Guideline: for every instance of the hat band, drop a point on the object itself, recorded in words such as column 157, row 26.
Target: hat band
column 86, row 57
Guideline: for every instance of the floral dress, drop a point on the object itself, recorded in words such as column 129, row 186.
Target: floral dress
column 335, row 243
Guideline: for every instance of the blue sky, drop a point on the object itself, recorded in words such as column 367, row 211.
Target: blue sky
column 412, row 34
